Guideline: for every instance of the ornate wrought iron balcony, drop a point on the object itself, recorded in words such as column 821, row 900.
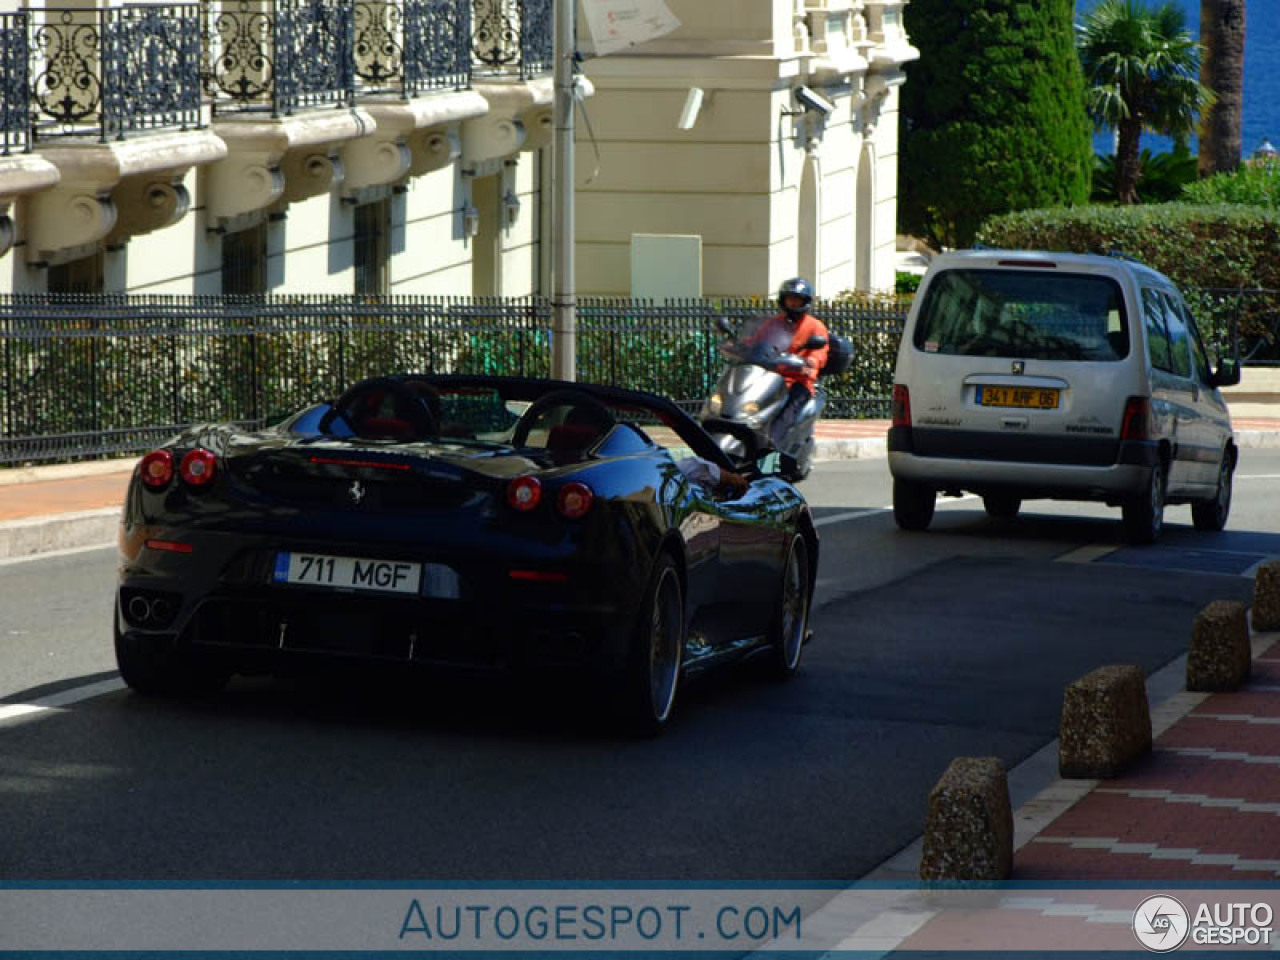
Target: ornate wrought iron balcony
column 15, row 104
column 279, row 55
column 112, row 71
column 513, row 36
column 408, row 47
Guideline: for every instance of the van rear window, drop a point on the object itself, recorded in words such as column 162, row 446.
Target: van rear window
column 1024, row 314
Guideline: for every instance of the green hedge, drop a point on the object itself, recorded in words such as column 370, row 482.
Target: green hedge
column 1206, row 250
column 1256, row 184
column 1199, row 246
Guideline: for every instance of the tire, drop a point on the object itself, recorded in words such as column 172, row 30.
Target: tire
column 154, row 668
column 1144, row 514
column 1002, row 506
column 1210, row 516
column 912, row 504
column 656, row 655
column 791, row 619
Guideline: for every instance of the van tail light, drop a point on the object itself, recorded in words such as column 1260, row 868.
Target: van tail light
column 574, row 501
column 901, row 405
column 524, row 494
column 1136, row 424
column 198, row 467
column 156, row 469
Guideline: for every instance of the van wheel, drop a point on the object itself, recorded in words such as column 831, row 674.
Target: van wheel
column 1211, row 515
column 912, row 504
column 1144, row 513
column 1002, row 506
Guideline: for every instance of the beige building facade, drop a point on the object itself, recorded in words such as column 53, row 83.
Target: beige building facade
column 389, row 147
column 768, row 128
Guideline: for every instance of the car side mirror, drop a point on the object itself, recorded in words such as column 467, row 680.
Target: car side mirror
column 1228, row 372
column 773, row 463
column 815, row 342
column 725, row 326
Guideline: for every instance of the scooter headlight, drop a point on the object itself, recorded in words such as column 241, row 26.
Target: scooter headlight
column 715, row 404
column 750, row 409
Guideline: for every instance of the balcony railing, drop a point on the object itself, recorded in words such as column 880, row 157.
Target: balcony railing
column 15, row 104
column 118, row 70
column 115, row 70
column 407, row 47
column 513, row 34
column 280, row 55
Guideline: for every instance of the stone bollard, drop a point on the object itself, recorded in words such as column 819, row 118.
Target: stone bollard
column 1266, row 596
column 1106, row 723
column 968, row 831
column 1220, row 657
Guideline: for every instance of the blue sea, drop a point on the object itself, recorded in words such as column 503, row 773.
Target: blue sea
column 1261, row 76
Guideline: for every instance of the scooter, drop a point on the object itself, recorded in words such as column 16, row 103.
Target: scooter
column 750, row 395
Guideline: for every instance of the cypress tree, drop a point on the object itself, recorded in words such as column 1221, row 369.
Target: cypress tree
column 993, row 116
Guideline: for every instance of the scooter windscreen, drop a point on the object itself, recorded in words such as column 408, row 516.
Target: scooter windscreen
column 759, row 342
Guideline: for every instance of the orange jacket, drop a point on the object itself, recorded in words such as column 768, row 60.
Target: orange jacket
column 815, row 360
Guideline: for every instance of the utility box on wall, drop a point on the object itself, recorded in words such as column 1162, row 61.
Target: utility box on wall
column 666, row 266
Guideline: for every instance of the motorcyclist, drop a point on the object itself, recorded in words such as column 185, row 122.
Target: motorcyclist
column 795, row 320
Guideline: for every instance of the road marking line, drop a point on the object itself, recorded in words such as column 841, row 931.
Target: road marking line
column 851, row 515
column 856, row 514
column 61, row 699
column 1087, row 553
column 48, row 554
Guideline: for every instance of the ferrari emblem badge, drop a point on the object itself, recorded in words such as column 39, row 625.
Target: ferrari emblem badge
column 356, row 492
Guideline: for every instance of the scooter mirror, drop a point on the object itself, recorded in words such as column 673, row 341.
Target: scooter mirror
column 725, row 326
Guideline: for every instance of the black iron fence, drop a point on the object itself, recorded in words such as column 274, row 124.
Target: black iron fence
column 98, row 376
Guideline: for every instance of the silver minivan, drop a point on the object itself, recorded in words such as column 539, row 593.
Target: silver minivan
column 1028, row 375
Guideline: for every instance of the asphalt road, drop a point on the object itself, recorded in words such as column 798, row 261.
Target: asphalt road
column 930, row 646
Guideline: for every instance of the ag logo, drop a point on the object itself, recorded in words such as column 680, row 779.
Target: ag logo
column 1161, row 923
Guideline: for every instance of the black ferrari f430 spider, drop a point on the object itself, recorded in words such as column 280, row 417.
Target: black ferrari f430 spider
column 513, row 526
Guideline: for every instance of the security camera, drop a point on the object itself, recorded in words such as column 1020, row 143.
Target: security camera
column 811, row 100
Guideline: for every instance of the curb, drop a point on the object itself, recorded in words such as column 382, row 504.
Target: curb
column 22, row 539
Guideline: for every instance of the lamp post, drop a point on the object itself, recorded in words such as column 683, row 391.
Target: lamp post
column 564, row 320
column 1265, row 153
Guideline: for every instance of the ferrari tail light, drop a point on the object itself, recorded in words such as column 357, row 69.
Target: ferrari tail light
column 524, row 494
column 156, row 469
column 1136, row 424
column 901, row 405
column 574, row 501
column 198, row 467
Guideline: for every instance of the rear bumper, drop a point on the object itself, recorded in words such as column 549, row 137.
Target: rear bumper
column 1030, row 466
column 221, row 603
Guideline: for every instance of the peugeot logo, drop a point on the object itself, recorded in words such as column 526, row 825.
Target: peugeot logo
column 1018, row 366
column 356, row 492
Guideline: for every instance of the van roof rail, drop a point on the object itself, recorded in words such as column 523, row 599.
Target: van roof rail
column 1121, row 255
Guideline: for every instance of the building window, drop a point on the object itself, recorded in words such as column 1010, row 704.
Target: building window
column 244, row 261
column 373, row 247
column 77, row 276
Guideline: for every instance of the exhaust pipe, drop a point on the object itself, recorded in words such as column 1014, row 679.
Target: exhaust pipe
column 139, row 610
column 161, row 611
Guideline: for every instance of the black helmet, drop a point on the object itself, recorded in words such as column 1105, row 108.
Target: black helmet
column 801, row 288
